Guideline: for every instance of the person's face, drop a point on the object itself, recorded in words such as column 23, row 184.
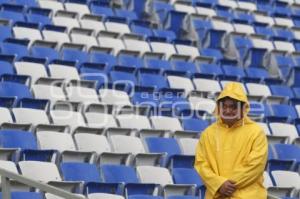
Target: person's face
column 230, row 111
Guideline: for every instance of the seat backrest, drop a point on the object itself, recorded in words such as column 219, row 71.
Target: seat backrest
column 186, row 176
column 78, row 171
column 40, row 171
column 55, row 140
column 163, row 145
column 82, row 94
column 17, row 139
column 104, row 196
column 188, row 145
column 207, row 85
column 71, row 118
column 52, row 93
column 109, row 96
column 95, row 119
column 25, row 195
column 286, row 178
column 5, row 115
column 12, row 89
column 181, row 83
column 34, row 70
column 204, row 104
column 29, row 115
column 9, row 165
column 63, row 72
column 119, row 174
column 267, row 180
column 127, row 144
column 134, row 121
column 167, row 123
column 157, row 175
column 283, row 129
column 92, row 142
column 144, row 197
column 287, row 151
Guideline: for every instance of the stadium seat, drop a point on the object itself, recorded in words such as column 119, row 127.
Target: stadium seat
column 25, row 195
column 78, row 171
column 36, row 170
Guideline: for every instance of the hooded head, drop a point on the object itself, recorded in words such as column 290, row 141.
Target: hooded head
column 232, row 103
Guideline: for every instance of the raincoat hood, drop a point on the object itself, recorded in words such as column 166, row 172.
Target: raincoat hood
column 235, row 91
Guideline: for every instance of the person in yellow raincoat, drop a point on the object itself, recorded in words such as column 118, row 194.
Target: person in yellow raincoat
column 232, row 152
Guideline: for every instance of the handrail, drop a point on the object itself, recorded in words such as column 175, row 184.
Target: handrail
column 6, row 175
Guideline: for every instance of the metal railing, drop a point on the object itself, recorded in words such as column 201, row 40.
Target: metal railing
column 6, row 192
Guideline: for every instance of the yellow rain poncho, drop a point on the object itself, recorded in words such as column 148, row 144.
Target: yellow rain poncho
column 238, row 153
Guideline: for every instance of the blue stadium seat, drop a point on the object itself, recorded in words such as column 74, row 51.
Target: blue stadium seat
column 169, row 35
column 25, row 141
column 100, row 8
column 6, row 68
column 145, row 96
column 159, row 64
column 243, row 17
column 288, row 152
column 17, row 139
column 75, row 55
column 281, row 90
column 284, row 110
column 254, row 72
column 39, row 15
column 25, row 195
column 138, row 6
column 153, row 80
column 184, row 66
column 125, row 78
column 12, row 89
column 28, row 3
column 255, row 57
column 194, row 124
column 264, row 6
column 211, row 69
column 174, row 22
column 264, row 30
column 119, row 173
column 186, row 176
column 162, row 8
column 172, row 103
column 182, row 197
column 284, row 63
column 224, row 12
column 144, row 197
column 79, row 171
column 284, row 34
column 5, row 32
column 103, row 58
column 235, row 71
column 296, row 91
column 126, row 175
column 163, row 145
column 141, row 28
column 130, row 61
column 210, row 52
column 242, row 44
column 129, row 15
column 281, row 9
column 12, row 12
column 94, row 72
column 15, row 47
column 44, row 52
